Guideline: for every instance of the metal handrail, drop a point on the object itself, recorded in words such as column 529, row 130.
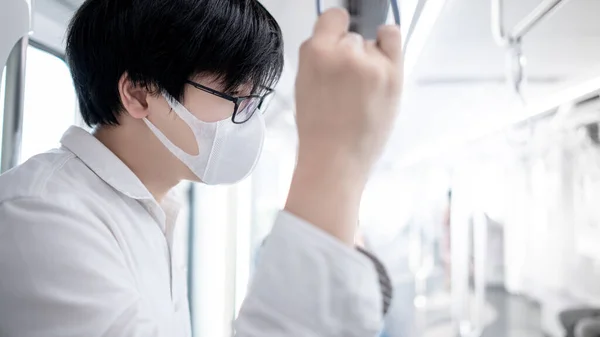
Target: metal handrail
column 540, row 12
column 14, row 100
column 511, row 40
column 15, row 23
column 524, row 26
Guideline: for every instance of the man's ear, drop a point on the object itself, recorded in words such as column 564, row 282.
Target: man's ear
column 133, row 97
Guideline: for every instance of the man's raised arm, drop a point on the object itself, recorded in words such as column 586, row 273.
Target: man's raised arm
column 310, row 280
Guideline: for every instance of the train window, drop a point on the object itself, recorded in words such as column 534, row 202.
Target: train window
column 50, row 100
column 2, row 83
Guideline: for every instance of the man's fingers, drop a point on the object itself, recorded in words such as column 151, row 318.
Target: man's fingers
column 332, row 25
column 353, row 41
column 389, row 40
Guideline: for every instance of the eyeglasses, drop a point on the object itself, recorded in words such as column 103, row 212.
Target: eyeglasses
column 245, row 106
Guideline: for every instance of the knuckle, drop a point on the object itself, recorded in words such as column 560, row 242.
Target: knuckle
column 391, row 31
column 312, row 48
column 352, row 63
column 348, row 57
column 346, row 48
column 373, row 74
column 306, row 47
column 320, row 52
column 318, row 57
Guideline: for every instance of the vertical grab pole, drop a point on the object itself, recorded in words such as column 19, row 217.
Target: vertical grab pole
column 480, row 238
column 460, row 226
column 13, row 105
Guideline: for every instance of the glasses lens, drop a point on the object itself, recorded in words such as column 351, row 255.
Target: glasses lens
column 246, row 109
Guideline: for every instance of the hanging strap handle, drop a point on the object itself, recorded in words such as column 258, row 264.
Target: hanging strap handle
column 394, row 4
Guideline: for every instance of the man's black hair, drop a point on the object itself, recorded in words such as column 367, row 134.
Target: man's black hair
column 162, row 43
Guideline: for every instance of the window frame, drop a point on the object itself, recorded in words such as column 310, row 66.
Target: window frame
column 48, row 49
column 35, row 45
column 43, row 47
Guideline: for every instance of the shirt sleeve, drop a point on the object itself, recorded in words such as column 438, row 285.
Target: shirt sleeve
column 62, row 275
column 307, row 283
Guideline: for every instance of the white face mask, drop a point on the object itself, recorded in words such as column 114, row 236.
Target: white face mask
column 228, row 152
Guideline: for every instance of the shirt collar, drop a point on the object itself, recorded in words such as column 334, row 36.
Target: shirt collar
column 104, row 163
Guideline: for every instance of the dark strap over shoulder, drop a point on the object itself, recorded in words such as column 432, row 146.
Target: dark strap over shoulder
column 570, row 318
column 384, row 280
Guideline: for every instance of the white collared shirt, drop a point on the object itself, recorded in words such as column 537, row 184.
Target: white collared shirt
column 86, row 251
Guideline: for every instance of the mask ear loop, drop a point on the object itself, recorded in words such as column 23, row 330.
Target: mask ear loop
column 394, row 3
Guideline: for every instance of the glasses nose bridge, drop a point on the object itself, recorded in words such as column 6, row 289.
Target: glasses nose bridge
column 237, row 101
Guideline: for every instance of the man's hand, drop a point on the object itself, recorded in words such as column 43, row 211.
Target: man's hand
column 347, row 95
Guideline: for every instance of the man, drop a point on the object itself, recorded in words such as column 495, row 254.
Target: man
column 172, row 89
